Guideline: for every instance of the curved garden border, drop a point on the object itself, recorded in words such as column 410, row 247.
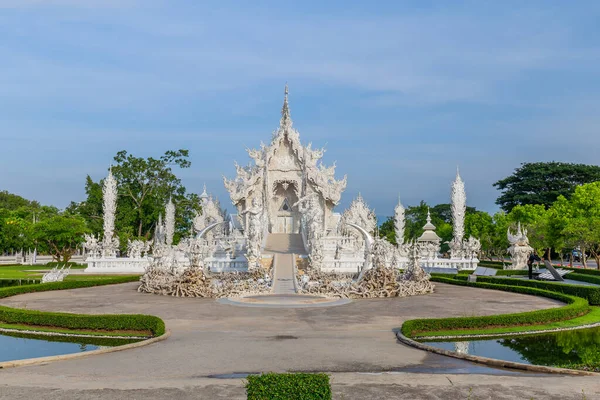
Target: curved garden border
column 492, row 361
column 576, row 306
column 51, row 320
column 44, row 360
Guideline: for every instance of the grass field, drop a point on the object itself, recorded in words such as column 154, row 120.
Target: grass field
column 36, row 272
column 590, row 318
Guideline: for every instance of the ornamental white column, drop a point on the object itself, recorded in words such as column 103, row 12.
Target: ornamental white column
column 109, row 209
column 169, row 222
column 459, row 208
column 399, row 222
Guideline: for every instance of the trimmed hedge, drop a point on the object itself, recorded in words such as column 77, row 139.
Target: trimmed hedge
column 506, row 272
column 288, row 387
column 53, row 264
column 137, row 322
column 585, row 271
column 575, row 307
column 584, row 278
column 43, row 287
column 17, row 282
column 591, row 293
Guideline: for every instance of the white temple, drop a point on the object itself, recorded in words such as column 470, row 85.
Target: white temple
column 284, row 195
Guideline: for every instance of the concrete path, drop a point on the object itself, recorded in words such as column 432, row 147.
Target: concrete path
column 284, row 282
column 283, row 243
column 354, row 342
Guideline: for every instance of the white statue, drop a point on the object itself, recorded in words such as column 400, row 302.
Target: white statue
column 137, row 248
column 519, row 249
column 92, row 246
column 312, row 224
column 472, row 248
column 254, row 233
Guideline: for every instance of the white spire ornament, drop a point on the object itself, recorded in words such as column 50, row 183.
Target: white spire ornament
column 459, row 207
column 399, row 222
column 109, row 209
column 169, row 222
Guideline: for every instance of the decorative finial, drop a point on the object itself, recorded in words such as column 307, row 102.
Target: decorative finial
column 285, row 110
column 428, row 216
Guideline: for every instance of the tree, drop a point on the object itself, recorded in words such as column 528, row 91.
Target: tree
column 583, row 219
column 11, row 201
column 60, row 235
column 543, row 182
column 144, row 186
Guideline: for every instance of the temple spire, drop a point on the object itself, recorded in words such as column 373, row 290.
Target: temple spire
column 286, row 119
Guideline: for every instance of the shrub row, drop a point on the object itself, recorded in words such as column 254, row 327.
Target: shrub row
column 575, row 307
column 584, row 278
column 585, row 271
column 71, row 264
column 288, row 387
column 14, row 290
column 17, row 282
column 591, row 293
column 506, row 272
column 136, row 322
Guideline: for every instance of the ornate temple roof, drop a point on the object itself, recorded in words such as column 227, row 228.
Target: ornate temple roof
column 321, row 177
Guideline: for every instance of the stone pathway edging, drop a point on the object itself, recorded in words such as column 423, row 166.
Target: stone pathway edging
column 44, row 360
column 489, row 335
column 492, row 361
column 75, row 335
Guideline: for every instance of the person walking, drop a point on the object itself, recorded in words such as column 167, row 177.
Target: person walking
column 533, row 257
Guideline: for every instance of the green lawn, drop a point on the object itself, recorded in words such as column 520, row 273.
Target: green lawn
column 33, row 272
column 590, row 318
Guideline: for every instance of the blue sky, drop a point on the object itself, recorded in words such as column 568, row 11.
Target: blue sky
column 399, row 92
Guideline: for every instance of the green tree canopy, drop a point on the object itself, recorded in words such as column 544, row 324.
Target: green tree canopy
column 60, row 235
column 543, row 182
column 144, row 187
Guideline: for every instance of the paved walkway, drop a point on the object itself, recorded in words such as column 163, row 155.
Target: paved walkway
column 284, row 282
column 354, row 342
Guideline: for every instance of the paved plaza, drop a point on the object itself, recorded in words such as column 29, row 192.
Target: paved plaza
column 211, row 343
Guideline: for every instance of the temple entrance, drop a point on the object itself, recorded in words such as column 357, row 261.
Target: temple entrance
column 286, row 224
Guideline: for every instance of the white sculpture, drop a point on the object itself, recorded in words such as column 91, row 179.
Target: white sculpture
column 56, row 274
column 92, row 246
column 110, row 244
column 459, row 208
column 137, row 248
column 254, row 233
column 360, row 214
column 519, row 249
column 312, row 227
column 413, row 270
column 169, row 222
column 399, row 223
column 211, row 213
